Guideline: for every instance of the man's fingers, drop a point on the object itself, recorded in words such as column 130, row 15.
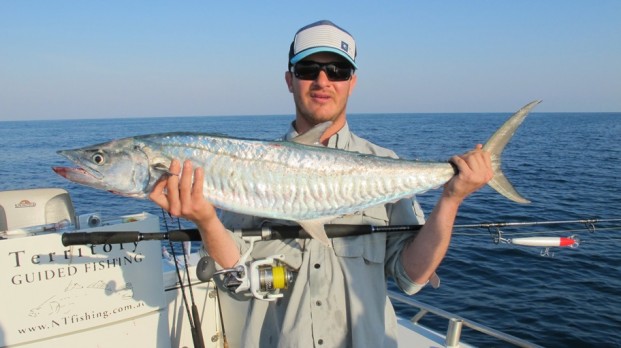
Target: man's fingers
column 460, row 163
column 197, row 186
column 185, row 184
column 160, row 189
column 157, row 195
column 174, row 204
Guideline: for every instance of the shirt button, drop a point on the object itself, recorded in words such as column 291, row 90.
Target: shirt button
column 317, row 266
column 318, row 303
column 320, row 341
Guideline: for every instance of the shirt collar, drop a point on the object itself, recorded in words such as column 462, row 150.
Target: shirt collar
column 340, row 140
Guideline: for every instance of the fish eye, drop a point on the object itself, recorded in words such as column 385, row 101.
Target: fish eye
column 99, row 158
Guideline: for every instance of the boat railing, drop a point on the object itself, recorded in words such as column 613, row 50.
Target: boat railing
column 455, row 323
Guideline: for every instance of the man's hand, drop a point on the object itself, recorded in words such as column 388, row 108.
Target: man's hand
column 475, row 170
column 181, row 196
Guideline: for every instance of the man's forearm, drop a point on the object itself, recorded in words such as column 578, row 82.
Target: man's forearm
column 219, row 243
column 423, row 255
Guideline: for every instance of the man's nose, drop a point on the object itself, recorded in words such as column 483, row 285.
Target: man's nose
column 322, row 78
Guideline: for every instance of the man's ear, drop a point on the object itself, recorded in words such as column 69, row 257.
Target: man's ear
column 352, row 83
column 289, row 80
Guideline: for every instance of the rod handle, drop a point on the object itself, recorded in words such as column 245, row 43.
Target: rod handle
column 83, row 238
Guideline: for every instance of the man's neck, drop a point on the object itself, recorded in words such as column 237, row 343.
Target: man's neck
column 302, row 126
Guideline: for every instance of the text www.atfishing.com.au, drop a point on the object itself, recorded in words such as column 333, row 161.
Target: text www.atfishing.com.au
column 78, row 318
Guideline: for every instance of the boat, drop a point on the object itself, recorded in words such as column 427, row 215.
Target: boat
column 132, row 294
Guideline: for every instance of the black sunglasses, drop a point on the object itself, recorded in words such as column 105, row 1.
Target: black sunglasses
column 308, row 70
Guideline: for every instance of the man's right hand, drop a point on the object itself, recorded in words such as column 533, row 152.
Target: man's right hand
column 181, row 196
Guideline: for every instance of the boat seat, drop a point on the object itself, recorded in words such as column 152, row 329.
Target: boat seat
column 35, row 207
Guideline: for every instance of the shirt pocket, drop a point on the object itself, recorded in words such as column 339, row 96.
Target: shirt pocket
column 370, row 247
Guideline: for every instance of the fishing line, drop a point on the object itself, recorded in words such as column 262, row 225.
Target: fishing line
column 195, row 315
column 198, row 342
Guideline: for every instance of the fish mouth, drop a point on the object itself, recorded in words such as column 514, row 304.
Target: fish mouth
column 78, row 175
column 82, row 174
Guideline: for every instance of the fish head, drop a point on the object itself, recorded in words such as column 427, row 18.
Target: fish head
column 119, row 166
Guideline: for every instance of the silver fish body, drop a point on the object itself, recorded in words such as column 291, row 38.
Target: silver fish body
column 274, row 179
column 290, row 181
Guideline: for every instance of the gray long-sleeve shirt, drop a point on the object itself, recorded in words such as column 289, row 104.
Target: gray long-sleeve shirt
column 338, row 298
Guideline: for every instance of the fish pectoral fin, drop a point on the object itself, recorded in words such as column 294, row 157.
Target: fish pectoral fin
column 161, row 167
column 313, row 136
column 434, row 281
column 316, row 229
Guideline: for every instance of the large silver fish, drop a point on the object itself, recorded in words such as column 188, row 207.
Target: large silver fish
column 298, row 180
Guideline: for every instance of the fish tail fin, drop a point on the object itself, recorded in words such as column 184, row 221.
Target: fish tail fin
column 496, row 144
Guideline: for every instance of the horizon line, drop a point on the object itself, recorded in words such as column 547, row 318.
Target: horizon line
column 354, row 114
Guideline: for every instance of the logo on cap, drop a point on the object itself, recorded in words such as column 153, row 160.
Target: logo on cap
column 344, row 46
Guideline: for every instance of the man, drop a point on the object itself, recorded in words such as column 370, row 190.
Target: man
column 339, row 295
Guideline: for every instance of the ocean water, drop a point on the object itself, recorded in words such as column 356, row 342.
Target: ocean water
column 567, row 164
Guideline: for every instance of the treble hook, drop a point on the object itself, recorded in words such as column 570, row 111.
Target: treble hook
column 497, row 235
column 546, row 253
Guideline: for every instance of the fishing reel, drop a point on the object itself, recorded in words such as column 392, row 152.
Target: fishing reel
column 263, row 278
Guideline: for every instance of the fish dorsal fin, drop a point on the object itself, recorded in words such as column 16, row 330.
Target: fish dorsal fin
column 313, row 136
column 316, row 229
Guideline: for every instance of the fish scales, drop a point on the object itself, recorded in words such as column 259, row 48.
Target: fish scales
column 293, row 182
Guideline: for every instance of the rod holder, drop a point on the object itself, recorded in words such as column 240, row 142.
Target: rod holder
column 453, row 332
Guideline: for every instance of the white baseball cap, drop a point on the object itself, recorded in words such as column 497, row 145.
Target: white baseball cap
column 322, row 36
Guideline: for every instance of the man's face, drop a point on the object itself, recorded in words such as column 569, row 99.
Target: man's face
column 320, row 100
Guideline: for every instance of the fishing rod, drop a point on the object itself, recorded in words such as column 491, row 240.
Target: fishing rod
column 265, row 278
column 193, row 234
column 290, row 232
column 588, row 222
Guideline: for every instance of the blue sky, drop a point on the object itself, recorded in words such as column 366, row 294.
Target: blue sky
column 100, row 59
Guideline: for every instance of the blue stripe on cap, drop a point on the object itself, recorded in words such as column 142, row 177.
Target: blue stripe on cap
column 298, row 57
